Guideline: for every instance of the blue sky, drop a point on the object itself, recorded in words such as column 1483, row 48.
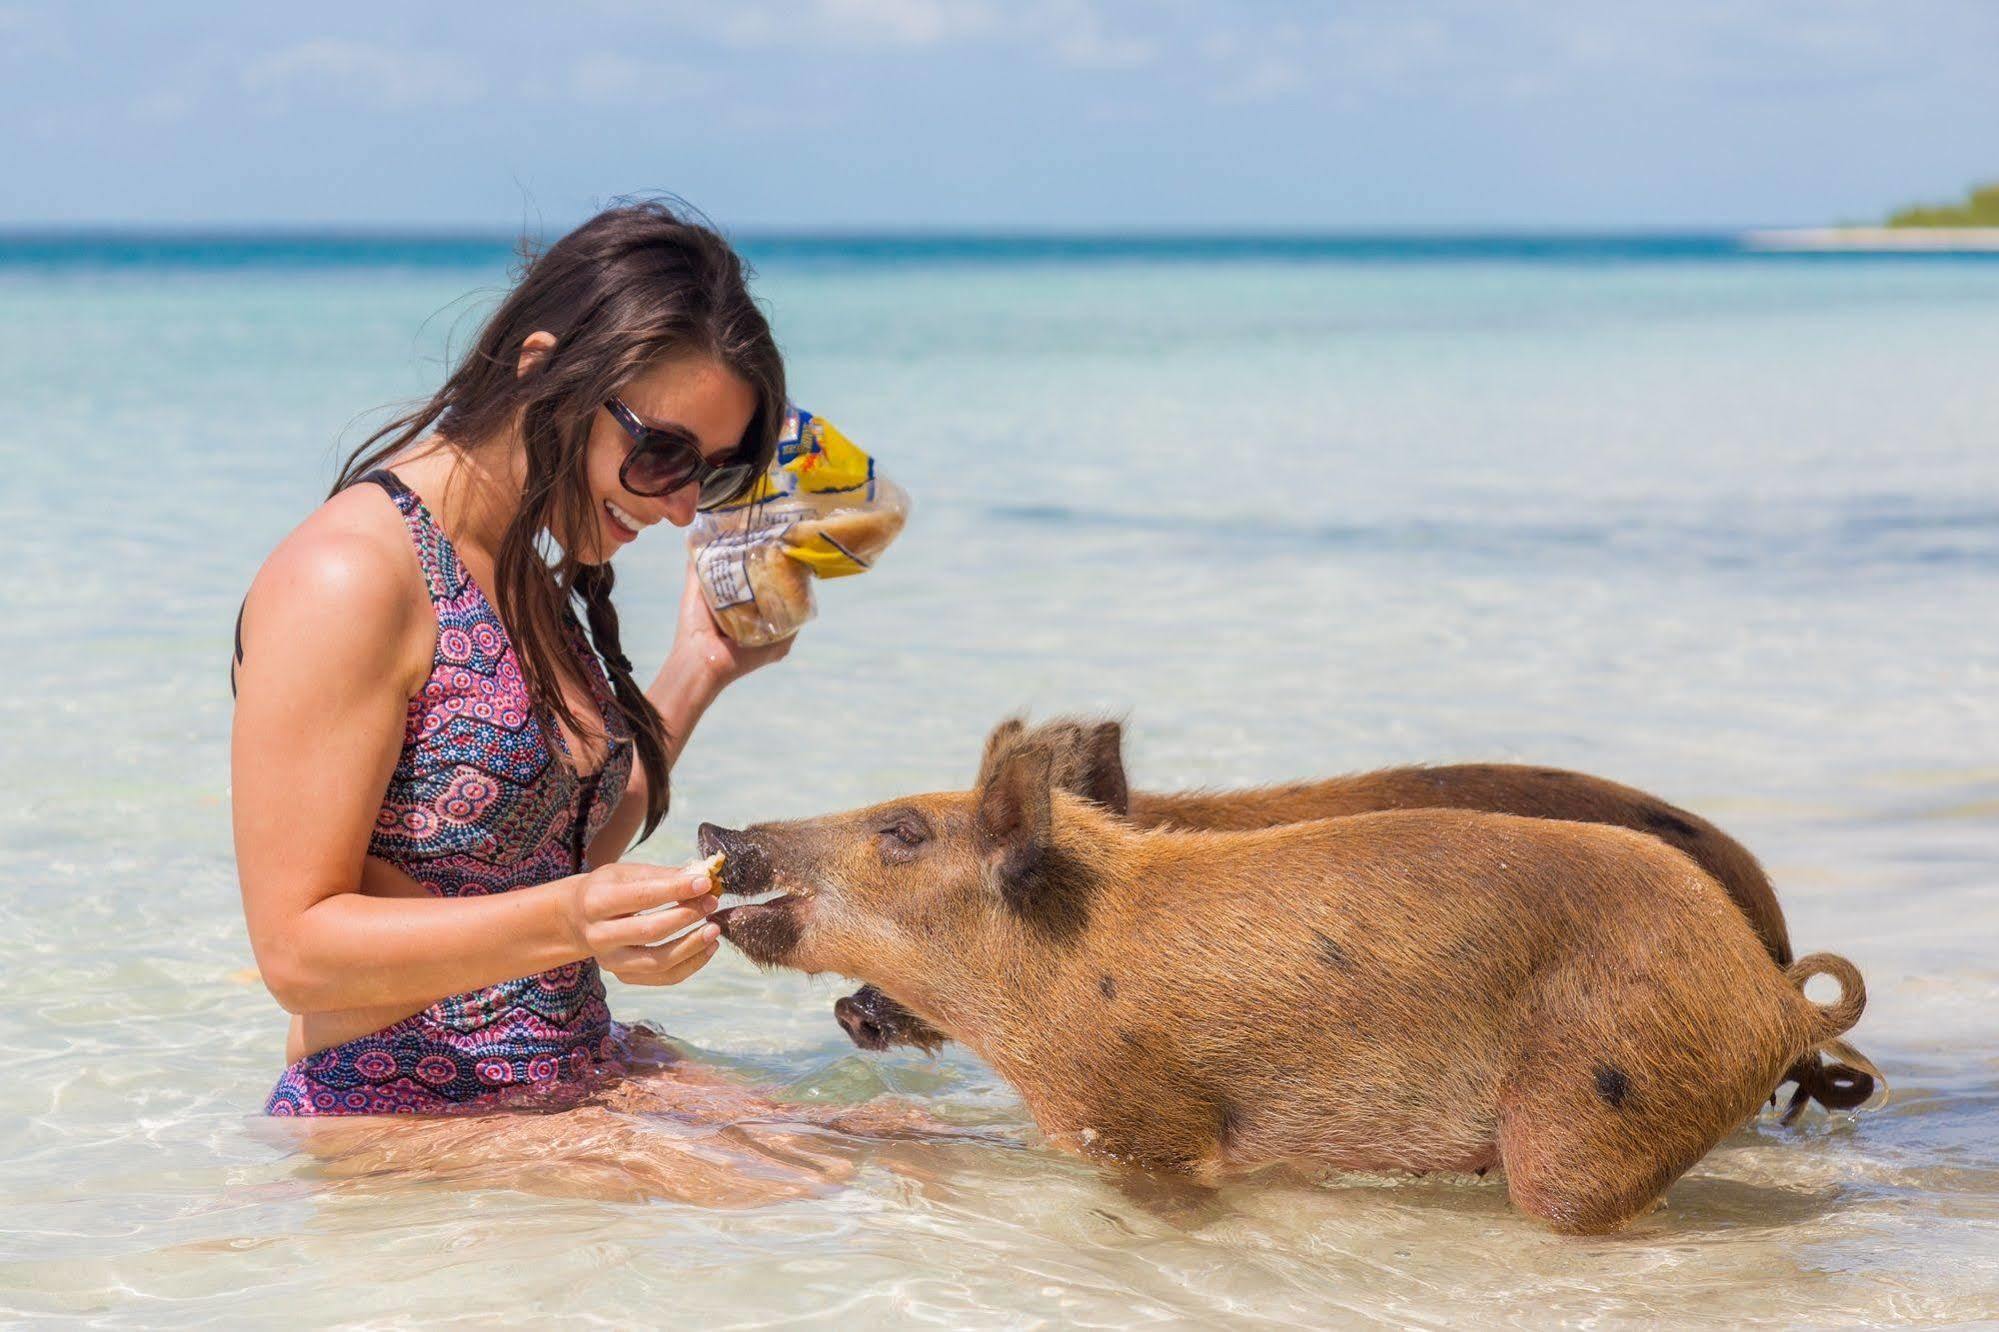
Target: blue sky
column 1085, row 114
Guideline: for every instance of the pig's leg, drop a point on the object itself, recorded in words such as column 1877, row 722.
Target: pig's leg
column 1580, row 1109
column 1608, row 1101
column 1569, row 1175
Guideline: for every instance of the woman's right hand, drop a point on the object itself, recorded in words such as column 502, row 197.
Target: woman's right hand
column 604, row 906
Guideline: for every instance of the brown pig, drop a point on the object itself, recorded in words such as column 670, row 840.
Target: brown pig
column 1088, row 760
column 1577, row 1004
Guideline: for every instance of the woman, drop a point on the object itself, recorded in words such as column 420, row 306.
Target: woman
column 435, row 767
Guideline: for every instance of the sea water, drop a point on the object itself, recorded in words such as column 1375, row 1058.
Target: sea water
column 1722, row 526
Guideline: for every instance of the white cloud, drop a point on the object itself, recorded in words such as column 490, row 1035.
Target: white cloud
column 27, row 35
column 165, row 105
column 904, row 22
column 1483, row 49
column 1262, row 79
column 376, row 77
column 1259, row 68
column 1078, row 34
column 1071, row 32
column 612, row 78
column 841, row 24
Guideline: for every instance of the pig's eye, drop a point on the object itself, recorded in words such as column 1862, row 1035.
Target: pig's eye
column 903, row 836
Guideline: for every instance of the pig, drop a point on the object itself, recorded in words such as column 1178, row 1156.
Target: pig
column 1088, row 761
column 1578, row 1005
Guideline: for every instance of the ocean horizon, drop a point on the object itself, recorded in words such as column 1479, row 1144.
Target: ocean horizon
column 306, row 247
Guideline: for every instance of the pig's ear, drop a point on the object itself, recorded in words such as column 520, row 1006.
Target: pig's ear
column 1014, row 813
column 1003, row 738
column 1103, row 768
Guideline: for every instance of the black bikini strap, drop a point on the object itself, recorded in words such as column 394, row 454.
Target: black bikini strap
column 387, row 480
column 382, row 477
column 441, row 571
column 238, row 661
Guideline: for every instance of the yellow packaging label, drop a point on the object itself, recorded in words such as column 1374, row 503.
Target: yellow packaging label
column 825, row 557
column 813, row 458
column 828, row 460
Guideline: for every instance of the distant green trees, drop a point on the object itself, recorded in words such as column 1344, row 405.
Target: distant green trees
column 1981, row 209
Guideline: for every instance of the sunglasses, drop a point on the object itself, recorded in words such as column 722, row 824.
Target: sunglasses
column 662, row 461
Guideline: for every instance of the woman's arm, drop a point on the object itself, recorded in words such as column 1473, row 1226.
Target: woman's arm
column 312, row 1032
column 336, row 636
column 703, row 662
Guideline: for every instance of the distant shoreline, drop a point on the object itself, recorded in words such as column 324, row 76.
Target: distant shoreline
column 1928, row 240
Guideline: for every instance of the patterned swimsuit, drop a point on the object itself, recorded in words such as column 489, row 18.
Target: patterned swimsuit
column 480, row 802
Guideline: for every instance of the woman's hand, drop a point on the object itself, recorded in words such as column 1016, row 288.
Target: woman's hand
column 700, row 643
column 603, row 917
column 596, row 891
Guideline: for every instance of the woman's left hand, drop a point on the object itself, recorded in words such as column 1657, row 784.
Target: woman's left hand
column 700, row 642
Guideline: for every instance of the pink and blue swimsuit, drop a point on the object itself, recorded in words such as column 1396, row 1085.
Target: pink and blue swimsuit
column 484, row 799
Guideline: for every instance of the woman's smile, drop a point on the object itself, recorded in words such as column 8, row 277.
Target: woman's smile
column 624, row 524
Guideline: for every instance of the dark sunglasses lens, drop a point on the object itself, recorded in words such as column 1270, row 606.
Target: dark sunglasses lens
column 725, row 484
column 658, row 469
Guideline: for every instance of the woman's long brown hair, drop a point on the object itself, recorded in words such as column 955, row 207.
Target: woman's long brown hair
column 634, row 284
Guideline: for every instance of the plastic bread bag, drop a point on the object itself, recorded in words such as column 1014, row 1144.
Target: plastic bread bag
column 821, row 511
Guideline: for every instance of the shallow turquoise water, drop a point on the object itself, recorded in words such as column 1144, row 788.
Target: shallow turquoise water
column 1724, row 528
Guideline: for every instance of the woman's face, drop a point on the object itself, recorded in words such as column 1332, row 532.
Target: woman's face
column 692, row 393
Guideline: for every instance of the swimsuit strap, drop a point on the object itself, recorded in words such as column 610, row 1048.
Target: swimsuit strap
column 443, row 575
column 237, row 659
column 441, row 570
column 446, row 576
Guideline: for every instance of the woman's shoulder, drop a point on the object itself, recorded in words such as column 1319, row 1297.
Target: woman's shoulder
column 347, row 578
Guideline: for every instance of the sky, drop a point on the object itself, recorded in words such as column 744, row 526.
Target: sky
column 1090, row 115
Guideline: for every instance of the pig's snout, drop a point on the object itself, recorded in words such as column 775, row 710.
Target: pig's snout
column 859, row 1023
column 746, row 867
column 874, row 1021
